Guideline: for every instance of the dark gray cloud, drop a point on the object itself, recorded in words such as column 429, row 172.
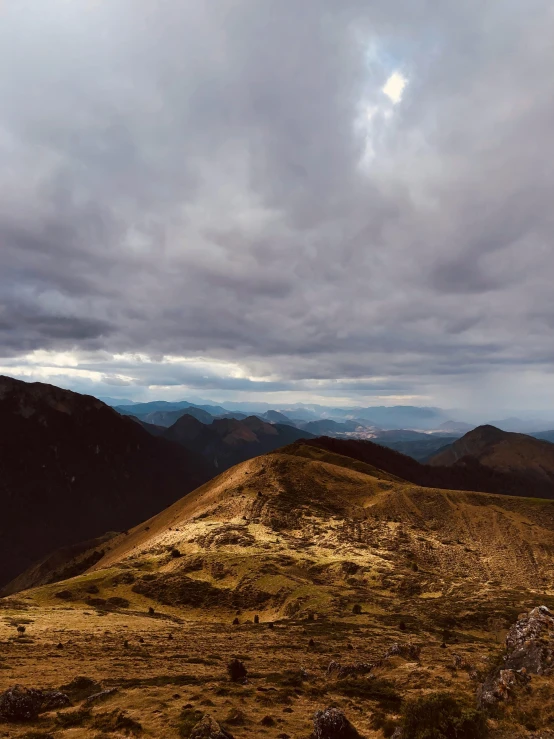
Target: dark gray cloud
column 227, row 183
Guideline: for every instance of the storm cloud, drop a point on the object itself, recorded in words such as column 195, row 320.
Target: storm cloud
column 350, row 200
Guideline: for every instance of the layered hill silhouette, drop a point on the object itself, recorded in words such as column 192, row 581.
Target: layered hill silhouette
column 71, row 468
column 228, row 441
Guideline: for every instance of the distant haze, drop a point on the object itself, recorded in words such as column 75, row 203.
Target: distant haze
column 345, row 203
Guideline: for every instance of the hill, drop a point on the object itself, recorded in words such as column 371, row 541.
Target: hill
column 227, row 441
column 333, row 582
column 472, row 474
column 71, row 468
column 503, row 452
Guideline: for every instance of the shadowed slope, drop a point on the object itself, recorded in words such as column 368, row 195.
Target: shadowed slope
column 71, row 468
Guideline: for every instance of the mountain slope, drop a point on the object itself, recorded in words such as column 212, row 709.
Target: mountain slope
column 503, row 452
column 333, row 582
column 471, row 475
column 227, row 441
column 71, row 468
column 287, row 534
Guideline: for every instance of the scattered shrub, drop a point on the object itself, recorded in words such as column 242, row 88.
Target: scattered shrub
column 237, row 671
column 64, row 595
column 441, row 716
column 72, row 718
column 116, row 721
column 256, row 619
column 188, row 718
column 356, row 609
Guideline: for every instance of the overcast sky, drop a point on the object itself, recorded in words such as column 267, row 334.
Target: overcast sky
column 343, row 201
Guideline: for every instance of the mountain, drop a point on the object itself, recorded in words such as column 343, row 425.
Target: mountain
column 544, row 435
column 471, row 475
column 142, row 409
column 503, row 452
column 277, row 417
column 417, row 445
column 71, row 468
column 116, row 401
column 168, row 418
column 227, row 441
column 457, row 426
column 327, row 426
column 319, row 578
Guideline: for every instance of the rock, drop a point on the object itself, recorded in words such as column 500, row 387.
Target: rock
column 529, row 651
column 407, row 651
column 333, row 724
column 54, row 699
column 208, row 728
column 99, row 697
column 358, row 668
column 20, row 704
column 530, row 642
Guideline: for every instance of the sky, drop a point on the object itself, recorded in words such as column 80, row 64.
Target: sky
column 342, row 202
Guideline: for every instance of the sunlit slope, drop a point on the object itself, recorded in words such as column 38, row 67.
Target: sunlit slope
column 282, row 535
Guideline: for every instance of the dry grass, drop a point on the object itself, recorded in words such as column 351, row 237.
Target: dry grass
column 298, row 542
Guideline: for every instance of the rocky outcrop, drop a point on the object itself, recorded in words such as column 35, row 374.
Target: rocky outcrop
column 333, row 724
column 208, row 728
column 407, row 651
column 529, row 651
column 358, row 668
column 25, row 704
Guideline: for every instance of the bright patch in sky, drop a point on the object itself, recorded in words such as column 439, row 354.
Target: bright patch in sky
column 394, row 87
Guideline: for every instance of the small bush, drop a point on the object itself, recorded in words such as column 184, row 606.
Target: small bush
column 64, row 595
column 441, row 716
column 175, row 553
column 380, row 721
column 187, row 720
column 116, row 721
column 237, row 671
column 356, row 609
column 370, row 688
column 72, row 718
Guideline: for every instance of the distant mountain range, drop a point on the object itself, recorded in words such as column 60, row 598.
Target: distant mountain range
column 228, row 441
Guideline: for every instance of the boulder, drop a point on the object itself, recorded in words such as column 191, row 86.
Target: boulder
column 333, row 724
column 20, row 704
column 529, row 651
column 407, row 651
column 208, row 728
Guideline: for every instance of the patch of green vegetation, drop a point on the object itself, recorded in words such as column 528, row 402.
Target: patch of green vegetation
column 72, row 718
column 116, row 720
column 441, row 716
column 370, row 688
column 188, row 718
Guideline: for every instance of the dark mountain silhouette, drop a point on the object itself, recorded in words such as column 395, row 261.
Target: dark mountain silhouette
column 227, row 441
column 71, row 468
column 469, row 474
